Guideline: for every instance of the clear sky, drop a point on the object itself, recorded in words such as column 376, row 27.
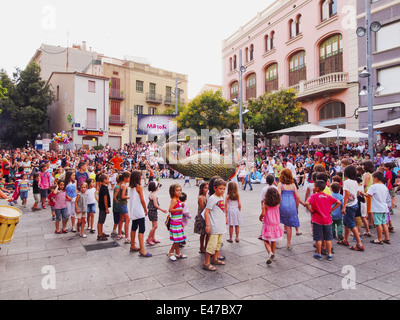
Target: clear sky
column 176, row 35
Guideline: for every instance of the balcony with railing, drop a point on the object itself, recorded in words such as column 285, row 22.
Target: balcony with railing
column 117, row 120
column 154, row 98
column 117, row 94
column 327, row 84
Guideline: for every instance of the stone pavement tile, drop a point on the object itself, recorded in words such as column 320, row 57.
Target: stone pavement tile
column 62, row 288
column 148, row 270
column 248, row 273
column 388, row 283
column 172, row 277
column 312, row 270
column 298, row 291
column 48, row 253
column 360, row 292
column 89, row 294
column 245, row 261
column 217, row 294
column 252, row 287
column 16, row 294
column 19, row 270
column 134, row 297
column 326, row 284
column 73, row 262
column 282, row 264
column 287, row 278
column 388, row 264
column 173, row 292
column 213, row 280
column 135, row 286
column 364, row 273
column 257, row 297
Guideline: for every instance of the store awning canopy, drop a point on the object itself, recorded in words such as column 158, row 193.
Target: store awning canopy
column 392, row 126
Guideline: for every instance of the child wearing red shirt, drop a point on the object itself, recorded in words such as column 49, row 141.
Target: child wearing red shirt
column 51, row 198
column 320, row 206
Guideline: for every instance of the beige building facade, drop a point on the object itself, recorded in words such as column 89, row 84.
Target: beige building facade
column 135, row 87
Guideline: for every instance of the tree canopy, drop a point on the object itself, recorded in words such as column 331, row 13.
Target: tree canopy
column 208, row 110
column 24, row 113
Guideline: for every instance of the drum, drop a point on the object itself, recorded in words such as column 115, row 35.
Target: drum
column 9, row 218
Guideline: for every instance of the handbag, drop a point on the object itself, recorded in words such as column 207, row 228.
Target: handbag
column 168, row 222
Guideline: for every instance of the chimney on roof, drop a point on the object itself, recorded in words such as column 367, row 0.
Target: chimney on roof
column 83, row 45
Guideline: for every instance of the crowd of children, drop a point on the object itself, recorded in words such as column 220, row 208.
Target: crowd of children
column 339, row 205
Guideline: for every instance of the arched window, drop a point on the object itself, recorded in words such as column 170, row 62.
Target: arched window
column 230, row 64
column 328, row 9
column 272, row 40
column 304, row 112
column 251, row 52
column 297, row 68
column 234, row 90
column 234, row 62
column 251, row 86
column 292, row 26
column 298, row 25
column 332, row 110
column 331, row 55
column 267, row 43
column 271, row 78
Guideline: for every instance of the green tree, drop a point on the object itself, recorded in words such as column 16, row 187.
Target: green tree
column 3, row 92
column 273, row 111
column 24, row 113
column 208, row 110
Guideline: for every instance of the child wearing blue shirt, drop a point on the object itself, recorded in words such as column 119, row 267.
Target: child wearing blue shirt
column 337, row 224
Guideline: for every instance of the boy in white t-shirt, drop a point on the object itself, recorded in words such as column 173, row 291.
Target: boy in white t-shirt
column 379, row 194
column 216, row 221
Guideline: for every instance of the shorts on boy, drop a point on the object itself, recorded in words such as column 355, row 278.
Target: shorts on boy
column 348, row 218
column 91, row 208
column 322, row 232
column 392, row 192
column 36, row 197
column 61, row 214
column 102, row 216
column 81, row 215
column 139, row 223
column 214, row 243
column 24, row 194
column 380, row 218
column 44, row 193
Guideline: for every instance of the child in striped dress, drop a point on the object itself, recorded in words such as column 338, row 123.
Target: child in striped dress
column 176, row 233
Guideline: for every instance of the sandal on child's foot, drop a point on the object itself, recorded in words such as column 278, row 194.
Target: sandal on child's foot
column 172, row 256
column 209, row 267
column 230, row 240
column 218, row 262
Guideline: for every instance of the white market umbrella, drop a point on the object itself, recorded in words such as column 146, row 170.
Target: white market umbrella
column 304, row 129
column 343, row 133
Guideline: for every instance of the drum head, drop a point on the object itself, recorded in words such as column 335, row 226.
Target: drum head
column 9, row 212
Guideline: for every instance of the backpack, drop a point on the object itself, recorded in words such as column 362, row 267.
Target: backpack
column 393, row 181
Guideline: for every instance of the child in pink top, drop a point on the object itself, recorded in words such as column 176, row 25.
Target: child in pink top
column 272, row 231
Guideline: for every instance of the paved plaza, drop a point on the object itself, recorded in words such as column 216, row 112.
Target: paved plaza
column 36, row 253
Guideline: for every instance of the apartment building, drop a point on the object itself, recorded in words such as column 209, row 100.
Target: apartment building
column 385, row 61
column 80, row 108
column 307, row 45
column 135, row 87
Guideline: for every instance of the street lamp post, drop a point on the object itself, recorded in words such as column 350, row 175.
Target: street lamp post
column 241, row 70
column 367, row 73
